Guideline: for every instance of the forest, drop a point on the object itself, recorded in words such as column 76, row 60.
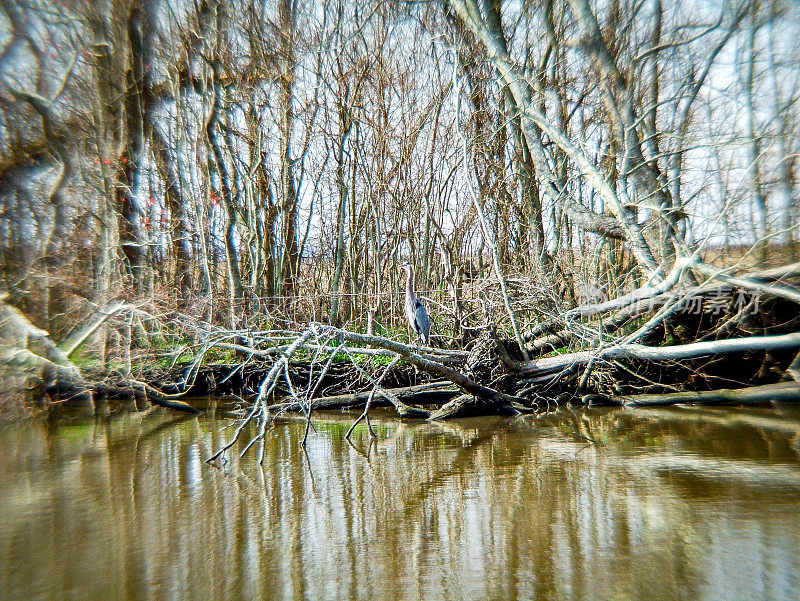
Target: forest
column 598, row 200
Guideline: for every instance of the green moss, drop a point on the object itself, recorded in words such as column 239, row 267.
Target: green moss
column 85, row 360
column 562, row 350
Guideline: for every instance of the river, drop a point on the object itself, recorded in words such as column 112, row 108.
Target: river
column 679, row 503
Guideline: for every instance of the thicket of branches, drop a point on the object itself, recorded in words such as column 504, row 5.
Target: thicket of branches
column 253, row 163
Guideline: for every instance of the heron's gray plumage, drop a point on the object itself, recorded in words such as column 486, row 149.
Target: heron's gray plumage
column 415, row 311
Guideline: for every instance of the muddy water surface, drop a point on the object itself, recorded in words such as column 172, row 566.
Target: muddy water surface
column 680, row 503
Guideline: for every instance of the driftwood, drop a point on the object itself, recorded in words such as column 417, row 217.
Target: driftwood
column 660, row 353
column 433, row 393
column 788, row 391
column 123, row 390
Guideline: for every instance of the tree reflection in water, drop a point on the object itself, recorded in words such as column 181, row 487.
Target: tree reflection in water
column 605, row 503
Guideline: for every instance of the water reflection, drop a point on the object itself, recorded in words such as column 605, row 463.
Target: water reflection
column 600, row 504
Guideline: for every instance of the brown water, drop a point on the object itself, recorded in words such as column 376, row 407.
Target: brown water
column 659, row 504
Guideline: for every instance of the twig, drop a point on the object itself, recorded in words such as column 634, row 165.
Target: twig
column 372, row 396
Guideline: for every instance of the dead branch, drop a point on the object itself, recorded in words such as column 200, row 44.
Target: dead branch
column 441, row 356
column 433, row 393
column 774, row 289
column 489, row 398
column 365, row 414
column 661, row 353
column 647, row 291
column 73, row 342
column 787, row 391
column 259, row 405
column 437, row 369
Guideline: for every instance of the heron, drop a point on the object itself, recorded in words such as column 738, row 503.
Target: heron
column 415, row 311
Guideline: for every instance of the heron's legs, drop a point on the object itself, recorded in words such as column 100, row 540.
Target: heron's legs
column 416, row 369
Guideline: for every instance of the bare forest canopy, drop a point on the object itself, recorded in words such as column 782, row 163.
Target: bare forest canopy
column 170, row 169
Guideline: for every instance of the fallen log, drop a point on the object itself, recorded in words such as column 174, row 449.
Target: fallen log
column 319, row 336
column 788, row 292
column 672, row 279
column 562, row 329
column 465, row 405
column 660, row 353
column 409, row 353
column 441, row 356
column 172, row 404
column 645, row 292
column 434, row 393
column 75, row 340
column 785, row 391
column 777, row 273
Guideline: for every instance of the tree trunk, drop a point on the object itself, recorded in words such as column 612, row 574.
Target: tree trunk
column 287, row 15
column 754, row 142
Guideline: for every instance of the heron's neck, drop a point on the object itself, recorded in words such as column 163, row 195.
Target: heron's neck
column 410, row 283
